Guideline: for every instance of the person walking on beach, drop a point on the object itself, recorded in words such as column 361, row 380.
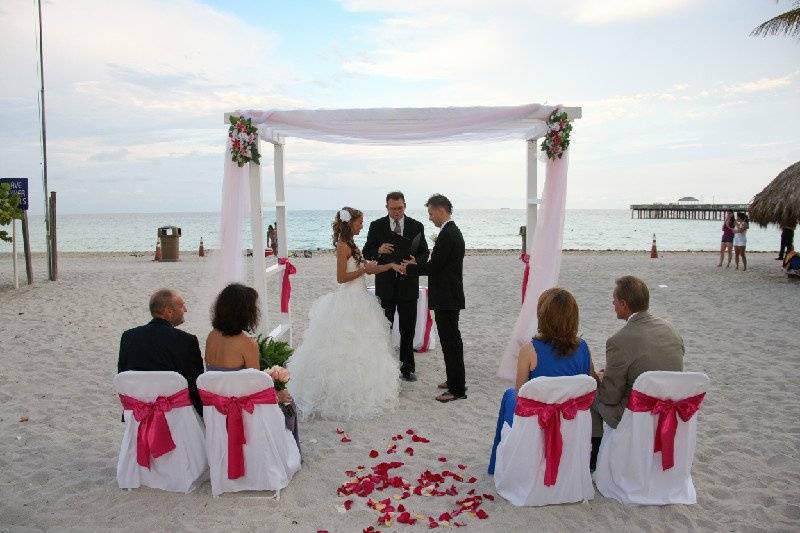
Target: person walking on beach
column 445, row 271
column 740, row 238
column 787, row 241
column 727, row 238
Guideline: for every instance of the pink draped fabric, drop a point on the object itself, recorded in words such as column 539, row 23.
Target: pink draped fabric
column 426, row 339
column 232, row 407
column 546, row 259
column 153, row 438
column 525, row 258
column 550, row 421
column 668, row 412
column 286, row 288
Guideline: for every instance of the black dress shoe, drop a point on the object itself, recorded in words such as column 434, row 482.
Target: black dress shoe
column 409, row 376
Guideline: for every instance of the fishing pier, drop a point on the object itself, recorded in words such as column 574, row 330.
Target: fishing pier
column 689, row 211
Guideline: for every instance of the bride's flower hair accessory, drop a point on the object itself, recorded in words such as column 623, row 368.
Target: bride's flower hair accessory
column 344, row 215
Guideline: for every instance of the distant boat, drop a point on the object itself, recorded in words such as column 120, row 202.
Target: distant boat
column 505, row 208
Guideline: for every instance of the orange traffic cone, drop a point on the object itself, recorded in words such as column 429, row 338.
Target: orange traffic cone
column 653, row 250
column 202, row 251
column 158, row 251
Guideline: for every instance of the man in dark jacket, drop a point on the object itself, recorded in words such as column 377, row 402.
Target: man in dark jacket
column 397, row 292
column 159, row 345
column 445, row 271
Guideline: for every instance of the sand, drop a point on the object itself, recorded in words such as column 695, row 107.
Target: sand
column 59, row 352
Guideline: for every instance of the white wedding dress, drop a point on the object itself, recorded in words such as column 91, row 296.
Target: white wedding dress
column 345, row 367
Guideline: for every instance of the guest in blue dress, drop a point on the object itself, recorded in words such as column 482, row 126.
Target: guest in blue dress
column 556, row 350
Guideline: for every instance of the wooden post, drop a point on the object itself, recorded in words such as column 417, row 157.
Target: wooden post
column 257, row 231
column 280, row 200
column 53, row 238
column 26, row 247
column 532, row 196
column 14, row 251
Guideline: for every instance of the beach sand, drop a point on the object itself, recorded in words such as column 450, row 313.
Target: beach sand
column 59, row 354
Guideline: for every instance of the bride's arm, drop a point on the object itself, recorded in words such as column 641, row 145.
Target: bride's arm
column 342, row 255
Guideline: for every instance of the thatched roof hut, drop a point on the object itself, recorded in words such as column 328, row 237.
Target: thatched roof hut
column 779, row 202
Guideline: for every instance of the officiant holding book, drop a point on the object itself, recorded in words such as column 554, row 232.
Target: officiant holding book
column 391, row 239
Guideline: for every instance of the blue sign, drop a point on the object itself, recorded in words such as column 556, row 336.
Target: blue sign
column 19, row 186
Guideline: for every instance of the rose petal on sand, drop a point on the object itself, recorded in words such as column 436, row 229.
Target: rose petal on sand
column 348, row 504
column 417, row 438
column 373, row 453
column 346, row 439
column 462, row 467
column 481, row 514
column 340, row 431
column 409, row 431
column 409, row 451
column 443, row 459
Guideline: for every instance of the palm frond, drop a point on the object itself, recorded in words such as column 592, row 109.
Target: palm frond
column 784, row 24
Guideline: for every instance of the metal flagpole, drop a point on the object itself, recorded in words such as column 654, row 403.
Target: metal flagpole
column 44, row 154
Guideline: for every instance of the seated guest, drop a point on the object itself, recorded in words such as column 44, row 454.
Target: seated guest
column 644, row 343
column 556, row 350
column 229, row 348
column 159, row 345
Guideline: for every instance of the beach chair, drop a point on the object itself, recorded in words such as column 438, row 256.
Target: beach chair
column 247, row 443
column 644, row 460
column 163, row 443
column 529, row 470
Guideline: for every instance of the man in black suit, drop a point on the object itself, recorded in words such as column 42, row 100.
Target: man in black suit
column 159, row 345
column 445, row 271
column 397, row 292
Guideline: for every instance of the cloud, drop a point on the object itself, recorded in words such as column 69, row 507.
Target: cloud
column 761, row 85
column 593, row 13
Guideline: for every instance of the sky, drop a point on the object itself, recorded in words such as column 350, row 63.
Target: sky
column 677, row 98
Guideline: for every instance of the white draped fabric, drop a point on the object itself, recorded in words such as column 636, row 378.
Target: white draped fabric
column 545, row 261
column 235, row 191
column 400, row 126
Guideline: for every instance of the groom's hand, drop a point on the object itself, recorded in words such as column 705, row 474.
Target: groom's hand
column 386, row 248
column 411, row 260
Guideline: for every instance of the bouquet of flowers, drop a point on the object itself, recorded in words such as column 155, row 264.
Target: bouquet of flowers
column 243, row 141
column 556, row 141
column 273, row 356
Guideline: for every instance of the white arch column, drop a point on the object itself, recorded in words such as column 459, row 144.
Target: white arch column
column 532, row 196
column 259, row 244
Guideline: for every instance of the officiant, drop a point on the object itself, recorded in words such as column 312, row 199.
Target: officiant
column 388, row 240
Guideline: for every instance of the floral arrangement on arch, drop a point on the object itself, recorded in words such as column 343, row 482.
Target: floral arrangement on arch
column 556, row 141
column 243, row 141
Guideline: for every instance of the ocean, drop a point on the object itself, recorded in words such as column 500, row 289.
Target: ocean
column 584, row 229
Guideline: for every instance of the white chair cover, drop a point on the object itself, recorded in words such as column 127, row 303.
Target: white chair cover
column 180, row 470
column 419, row 327
column 520, row 465
column 627, row 468
column 271, row 456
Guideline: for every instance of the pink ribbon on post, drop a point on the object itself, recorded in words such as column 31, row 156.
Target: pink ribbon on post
column 286, row 289
column 668, row 412
column 550, row 421
column 525, row 258
column 232, row 407
column 426, row 339
column 154, row 439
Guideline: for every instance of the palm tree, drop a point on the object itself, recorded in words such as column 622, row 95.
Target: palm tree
column 786, row 23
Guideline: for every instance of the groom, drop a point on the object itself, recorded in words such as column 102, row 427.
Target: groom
column 397, row 292
column 445, row 271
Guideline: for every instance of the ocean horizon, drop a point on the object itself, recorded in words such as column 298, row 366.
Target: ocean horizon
column 584, row 229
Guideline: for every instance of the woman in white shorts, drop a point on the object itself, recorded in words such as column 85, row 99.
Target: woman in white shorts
column 740, row 238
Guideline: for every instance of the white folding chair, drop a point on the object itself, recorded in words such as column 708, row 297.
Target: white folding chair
column 628, row 469
column 271, row 456
column 180, row 470
column 520, row 467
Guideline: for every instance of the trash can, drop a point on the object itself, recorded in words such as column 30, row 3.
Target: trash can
column 169, row 237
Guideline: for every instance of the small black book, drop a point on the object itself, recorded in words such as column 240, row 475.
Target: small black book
column 403, row 247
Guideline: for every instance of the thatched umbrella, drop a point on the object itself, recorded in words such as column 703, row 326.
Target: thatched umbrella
column 779, row 202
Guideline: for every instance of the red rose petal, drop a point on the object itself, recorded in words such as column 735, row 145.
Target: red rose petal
column 409, row 432
column 409, row 451
column 405, row 495
column 348, row 504
column 445, row 517
column 442, row 459
column 346, row 439
column 489, row 497
column 405, row 518
column 339, row 431
column 417, row 438
column 432, row 524
column 398, row 437
column 480, row 513
column 471, row 492
column 462, row 467
column 349, row 473
column 473, row 479
column 373, row 453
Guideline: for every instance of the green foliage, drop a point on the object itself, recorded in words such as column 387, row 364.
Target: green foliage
column 273, row 352
column 9, row 209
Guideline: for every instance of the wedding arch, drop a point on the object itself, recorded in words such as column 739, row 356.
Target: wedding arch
column 394, row 126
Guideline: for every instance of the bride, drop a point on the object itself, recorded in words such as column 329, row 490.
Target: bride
column 345, row 368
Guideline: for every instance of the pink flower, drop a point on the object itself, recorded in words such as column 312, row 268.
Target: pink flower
column 278, row 373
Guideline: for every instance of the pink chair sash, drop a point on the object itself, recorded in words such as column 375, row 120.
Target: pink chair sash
column 525, row 258
column 664, row 439
column 286, row 288
column 550, row 421
column 426, row 338
column 231, row 407
column 154, row 439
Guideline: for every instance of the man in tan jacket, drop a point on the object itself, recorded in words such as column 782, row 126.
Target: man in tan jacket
column 644, row 343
